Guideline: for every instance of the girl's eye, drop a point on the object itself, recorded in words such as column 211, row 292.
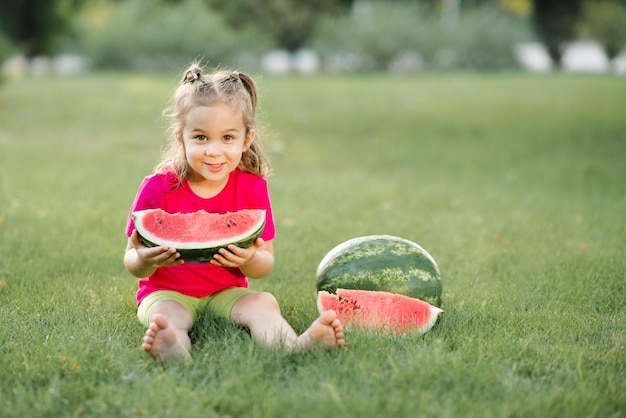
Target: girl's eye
column 228, row 137
column 200, row 138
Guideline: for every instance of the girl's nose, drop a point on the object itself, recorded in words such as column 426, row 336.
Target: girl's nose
column 212, row 147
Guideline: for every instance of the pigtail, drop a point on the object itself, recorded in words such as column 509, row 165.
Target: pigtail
column 250, row 86
column 254, row 160
column 173, row 155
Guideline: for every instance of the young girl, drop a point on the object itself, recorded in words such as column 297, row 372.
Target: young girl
column 214, row 161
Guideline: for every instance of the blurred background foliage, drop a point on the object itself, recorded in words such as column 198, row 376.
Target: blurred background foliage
column 347, row 34
column 606, row 22
column 377, row 35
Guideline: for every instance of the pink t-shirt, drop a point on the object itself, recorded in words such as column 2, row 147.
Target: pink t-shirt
column 243, row 191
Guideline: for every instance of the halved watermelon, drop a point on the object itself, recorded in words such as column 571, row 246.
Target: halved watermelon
column 383, row 263
column 379, row 311
column 197, row 236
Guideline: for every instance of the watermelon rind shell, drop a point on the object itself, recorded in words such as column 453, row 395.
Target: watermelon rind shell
column 382, row 263
column 205, row 252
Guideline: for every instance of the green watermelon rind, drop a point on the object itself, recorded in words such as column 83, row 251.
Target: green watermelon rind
column 381, row 263
column 205, row 255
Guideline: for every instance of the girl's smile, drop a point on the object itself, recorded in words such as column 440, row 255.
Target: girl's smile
column 216, row 167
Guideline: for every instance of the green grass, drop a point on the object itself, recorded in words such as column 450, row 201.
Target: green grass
column 516, row 184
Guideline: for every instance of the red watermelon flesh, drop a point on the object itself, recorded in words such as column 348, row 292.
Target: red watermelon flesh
column 199, row 235
column 379, row 311
column 199, row 227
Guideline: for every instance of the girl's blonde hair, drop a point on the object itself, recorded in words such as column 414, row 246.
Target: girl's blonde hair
column 220, row 87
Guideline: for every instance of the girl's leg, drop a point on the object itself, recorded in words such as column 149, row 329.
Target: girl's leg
column 167, row 337
column 260, row 313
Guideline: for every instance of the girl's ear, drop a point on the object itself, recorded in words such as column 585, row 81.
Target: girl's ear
column 249, row 139
column 179, row 136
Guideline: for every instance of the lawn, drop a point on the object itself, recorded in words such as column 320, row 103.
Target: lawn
column 516, row 184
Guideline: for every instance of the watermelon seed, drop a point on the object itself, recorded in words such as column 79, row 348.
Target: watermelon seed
column 349, row 304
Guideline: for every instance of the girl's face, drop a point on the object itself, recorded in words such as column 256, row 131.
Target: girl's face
column 214, row 138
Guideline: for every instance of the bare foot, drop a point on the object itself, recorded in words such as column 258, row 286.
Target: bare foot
column 161, row 341
column 325, row 331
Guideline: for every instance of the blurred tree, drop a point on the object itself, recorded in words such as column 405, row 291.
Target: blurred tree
column 291, row 22
column 555, row 22
column 605, row 21
column 33, row 24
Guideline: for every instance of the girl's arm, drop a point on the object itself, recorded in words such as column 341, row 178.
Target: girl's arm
column 142, row 261
column 255, row 261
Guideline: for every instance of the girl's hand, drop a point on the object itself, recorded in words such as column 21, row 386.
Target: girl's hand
column 235, row 256
column 155, row 256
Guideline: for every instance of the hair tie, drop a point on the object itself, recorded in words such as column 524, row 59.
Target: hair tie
column 235, row 76
column 191, row 76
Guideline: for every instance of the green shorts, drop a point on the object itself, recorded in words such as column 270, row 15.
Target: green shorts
column 220, row 303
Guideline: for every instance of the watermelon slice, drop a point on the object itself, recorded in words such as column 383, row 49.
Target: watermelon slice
column 379, row 310
column 197, row 236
